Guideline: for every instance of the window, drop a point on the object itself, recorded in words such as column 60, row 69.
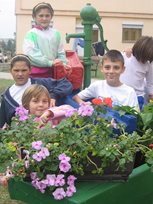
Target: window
column 131, row 32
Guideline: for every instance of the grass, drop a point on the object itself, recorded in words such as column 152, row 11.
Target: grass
column 4, row 195
column 5, row 83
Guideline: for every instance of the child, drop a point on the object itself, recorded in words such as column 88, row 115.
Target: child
column 36, row 99
column 20, row 69
column 112, row 68
column 139, row 68
column 43, row 44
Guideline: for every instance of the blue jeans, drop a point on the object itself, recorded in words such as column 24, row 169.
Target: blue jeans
column 68, row 99
column 141, row 102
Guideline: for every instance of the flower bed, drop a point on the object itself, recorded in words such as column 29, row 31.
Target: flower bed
column 83, row 146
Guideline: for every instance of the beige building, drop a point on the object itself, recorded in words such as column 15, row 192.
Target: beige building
column 123, row 21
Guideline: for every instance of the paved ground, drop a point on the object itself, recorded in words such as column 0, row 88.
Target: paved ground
column 4, row 75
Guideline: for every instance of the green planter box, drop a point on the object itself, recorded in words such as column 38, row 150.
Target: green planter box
column 137, row 190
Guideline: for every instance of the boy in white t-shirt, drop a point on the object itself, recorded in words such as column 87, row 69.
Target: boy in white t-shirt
column 121, row 94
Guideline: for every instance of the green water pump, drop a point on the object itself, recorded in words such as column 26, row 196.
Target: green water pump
column 89, row 16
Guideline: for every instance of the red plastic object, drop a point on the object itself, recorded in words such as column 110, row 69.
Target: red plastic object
column 76, row 76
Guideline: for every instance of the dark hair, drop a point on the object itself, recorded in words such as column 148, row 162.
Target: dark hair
column 143, row 49
column 20, row 57
column 113, row 55
column 40, row 6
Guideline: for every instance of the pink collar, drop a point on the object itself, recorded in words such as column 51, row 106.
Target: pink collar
column 38, row 27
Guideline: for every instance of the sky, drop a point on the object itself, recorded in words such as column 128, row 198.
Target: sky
column 7, row 18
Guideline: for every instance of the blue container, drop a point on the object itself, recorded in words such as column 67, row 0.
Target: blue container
column 128, row 120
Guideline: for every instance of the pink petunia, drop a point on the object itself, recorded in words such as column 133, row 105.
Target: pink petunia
column 70, row 180
column 64, row 166
column 33, row 175
column 85, row 110
column 59, row 194
column 70, row 191
column 63, row 157
column 37, row 156
column 26, row 163
column 22, row 113
column 60, row 180
column 37, row 145
column 51, row 178
column 70, row 112
column 44, row 152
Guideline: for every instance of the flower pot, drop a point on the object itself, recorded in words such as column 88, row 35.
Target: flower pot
column 138, row 190
column 111, row 173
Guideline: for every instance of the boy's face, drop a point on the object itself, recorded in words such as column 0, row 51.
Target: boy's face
column 20, row 72
column 112, row 71
column 38, row 106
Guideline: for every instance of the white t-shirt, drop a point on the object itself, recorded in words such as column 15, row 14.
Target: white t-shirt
column 135, row 73
column 123, row 95
column 16, row 92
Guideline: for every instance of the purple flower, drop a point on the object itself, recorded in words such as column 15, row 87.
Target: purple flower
column 63, row 157
column 22, row 113
column 44, row 152
column 64, row 166
column 85, row 110
column 35, row 183
column 37, row 119
column 70, row 191
column 70, row 180
column 51, row 178
column 60, row 180
column 33, row 175
column 26, row 163
column 59, row 194
column 70, row 112
column 42, row 186
column 37, row 145
column 37, row 156
column 113, row 123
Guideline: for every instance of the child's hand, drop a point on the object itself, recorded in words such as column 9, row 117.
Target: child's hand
column 86, row 103
column 52, row 102
column 43, row 119
column 128, row 52
column 68, row 69
column 57, row 62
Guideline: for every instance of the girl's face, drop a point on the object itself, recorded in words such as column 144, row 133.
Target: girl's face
column 38, row 106
column 43, row 18
column 20, row 72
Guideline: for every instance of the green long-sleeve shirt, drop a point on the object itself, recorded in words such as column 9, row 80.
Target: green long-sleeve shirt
column 43, row 47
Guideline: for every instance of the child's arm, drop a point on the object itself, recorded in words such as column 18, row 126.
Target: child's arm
column 52, row 102
column 77, row 99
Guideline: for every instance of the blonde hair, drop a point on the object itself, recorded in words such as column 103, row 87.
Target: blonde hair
column 34, row 91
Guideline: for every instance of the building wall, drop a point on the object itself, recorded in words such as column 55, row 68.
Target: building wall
column 113, row 13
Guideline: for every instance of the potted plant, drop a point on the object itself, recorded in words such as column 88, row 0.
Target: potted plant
column 89, row 144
